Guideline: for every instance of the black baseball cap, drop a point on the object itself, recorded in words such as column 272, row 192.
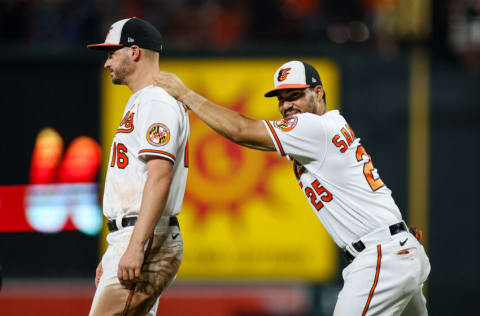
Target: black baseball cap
column 294, row 75
column 129, row 32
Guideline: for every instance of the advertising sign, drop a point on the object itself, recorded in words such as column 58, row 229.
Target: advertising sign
column 244, row 215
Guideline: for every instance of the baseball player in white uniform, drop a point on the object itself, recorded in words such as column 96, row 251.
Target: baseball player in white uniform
column 146, row 178
column 388, row 264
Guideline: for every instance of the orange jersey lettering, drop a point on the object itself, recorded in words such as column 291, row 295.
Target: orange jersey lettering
column 340, row 144
column 126, row 125
column 349, row 138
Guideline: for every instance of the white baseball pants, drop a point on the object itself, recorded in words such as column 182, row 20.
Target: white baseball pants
column 386, row 278
column 158, row 272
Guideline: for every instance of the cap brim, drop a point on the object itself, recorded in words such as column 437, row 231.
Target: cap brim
column 104, row 46
column 274, row 92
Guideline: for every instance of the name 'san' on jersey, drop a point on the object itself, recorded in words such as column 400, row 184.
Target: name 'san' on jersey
column 336, row 174
column 156, row 124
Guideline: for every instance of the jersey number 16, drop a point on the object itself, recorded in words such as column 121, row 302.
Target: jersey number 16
column 119, row 156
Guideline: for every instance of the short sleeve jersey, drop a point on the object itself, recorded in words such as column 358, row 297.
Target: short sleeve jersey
column 336, row 174
column 156, row 124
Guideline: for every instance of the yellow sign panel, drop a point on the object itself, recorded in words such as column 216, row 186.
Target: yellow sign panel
column 244, row 216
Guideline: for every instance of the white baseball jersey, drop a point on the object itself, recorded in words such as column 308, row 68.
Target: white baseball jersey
column 156, row 124
column 336, row 174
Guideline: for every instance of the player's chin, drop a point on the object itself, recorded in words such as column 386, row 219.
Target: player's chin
column 116, row 80
column 290, row 114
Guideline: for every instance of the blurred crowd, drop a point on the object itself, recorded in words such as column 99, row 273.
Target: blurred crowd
column 226, row 24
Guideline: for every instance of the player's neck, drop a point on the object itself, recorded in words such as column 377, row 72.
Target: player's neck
column 143, row 76
column 320, row 108
column 323, row 109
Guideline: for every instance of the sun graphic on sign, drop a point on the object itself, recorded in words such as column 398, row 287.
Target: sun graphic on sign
column 224, row 175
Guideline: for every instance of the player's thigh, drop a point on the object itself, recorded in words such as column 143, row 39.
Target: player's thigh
column 359, row 278
column 377, row 282
column 159, row 270
column 417, row 305
column 161, row 265
column 355, row 298
column 110, row 300
column 110, row 296
column 116, row 299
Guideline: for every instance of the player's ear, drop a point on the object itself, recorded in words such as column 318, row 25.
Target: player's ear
column 135, row 52
column 318, row 90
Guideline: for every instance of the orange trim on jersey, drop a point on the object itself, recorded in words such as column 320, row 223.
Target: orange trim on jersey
column 132, row 289
column 186, row 158
column 375, row 282
column 152, row 151
column 277, row 140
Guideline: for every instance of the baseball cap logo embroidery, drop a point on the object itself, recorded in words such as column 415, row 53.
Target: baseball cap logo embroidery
column 283, row 73
column 158, row 134
column 108, row 33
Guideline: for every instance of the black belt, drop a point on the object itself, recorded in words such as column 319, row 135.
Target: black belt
column 360, row 246
column 131, row 220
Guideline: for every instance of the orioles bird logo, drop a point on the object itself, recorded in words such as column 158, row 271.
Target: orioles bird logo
column 109, row 30
column 283, row 73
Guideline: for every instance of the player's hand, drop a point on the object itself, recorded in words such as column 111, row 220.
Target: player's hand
column 416, row 232
column 172, row 84
column 130, row 264
column 98, row 273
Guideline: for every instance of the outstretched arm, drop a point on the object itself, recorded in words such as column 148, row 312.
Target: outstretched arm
column 234, row 126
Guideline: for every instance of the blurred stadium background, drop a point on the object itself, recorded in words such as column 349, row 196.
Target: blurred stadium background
column 405, row 74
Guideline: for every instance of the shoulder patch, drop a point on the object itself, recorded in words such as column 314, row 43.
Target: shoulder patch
column 158, row 134
column 286, row 125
